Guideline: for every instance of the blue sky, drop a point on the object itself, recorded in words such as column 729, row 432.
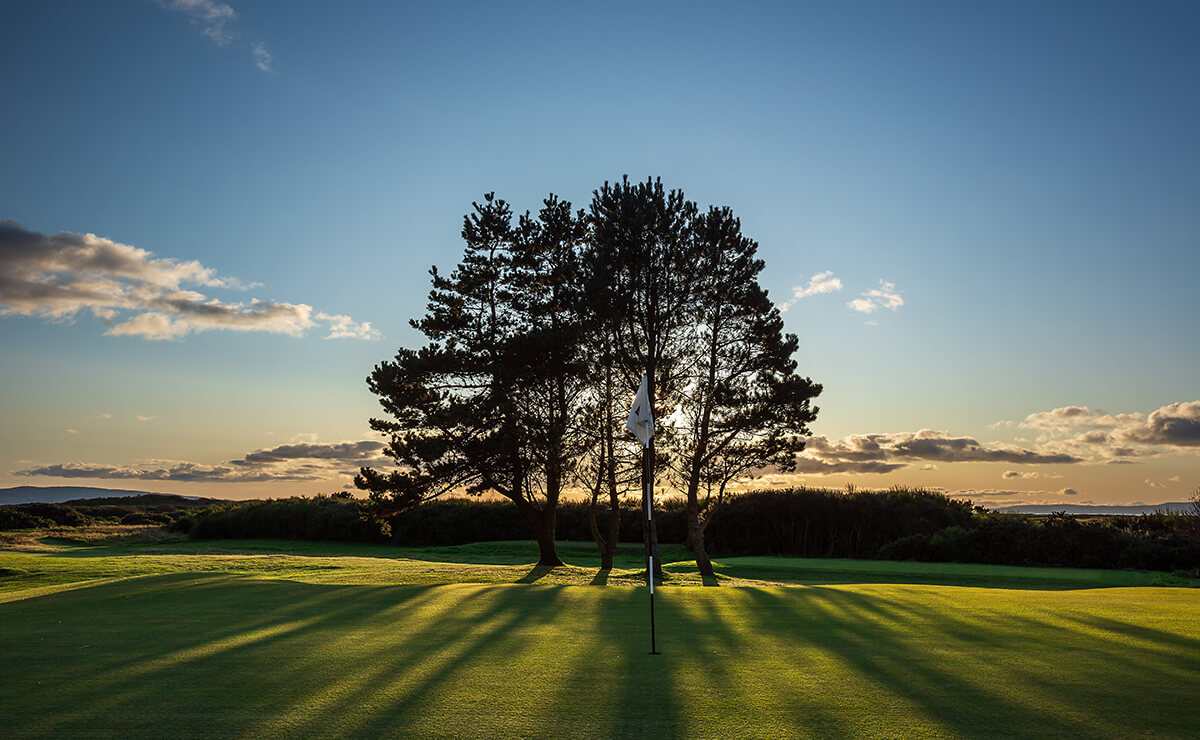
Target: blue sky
column 1021, row 177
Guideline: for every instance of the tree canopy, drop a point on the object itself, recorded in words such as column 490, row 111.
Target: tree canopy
column 540, row 336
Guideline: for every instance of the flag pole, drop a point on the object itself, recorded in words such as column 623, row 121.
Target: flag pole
column 649, row 554
column 641, row 423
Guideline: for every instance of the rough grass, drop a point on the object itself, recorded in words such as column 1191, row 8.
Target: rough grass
column 312, row 639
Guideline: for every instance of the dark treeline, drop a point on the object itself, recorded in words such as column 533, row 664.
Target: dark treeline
column 150, row 508
column 325, row 517
column 899, row 524
column 1148, row 542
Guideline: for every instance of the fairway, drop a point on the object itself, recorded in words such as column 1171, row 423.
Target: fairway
column 305, row 639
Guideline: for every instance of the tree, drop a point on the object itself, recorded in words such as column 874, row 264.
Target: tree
column 541, row 335
column 641, row 267
column 1193, row 511
column 488, row 403
column 610, row 465
column 742, row 405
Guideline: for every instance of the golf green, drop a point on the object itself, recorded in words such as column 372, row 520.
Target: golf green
column 190, row 653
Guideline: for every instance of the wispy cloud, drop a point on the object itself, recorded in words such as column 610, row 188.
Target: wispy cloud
column 59, row 276
column 1026, row 475
column 142, row 417
column 885, row 296
column 995, row 498
column 295, row 462
column 884, row 453
column 822, row 282
column 210, row 17
column 213, row 19
column 262, row 57
column 1078, row 417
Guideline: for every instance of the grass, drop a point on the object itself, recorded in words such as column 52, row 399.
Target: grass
column 317, row 639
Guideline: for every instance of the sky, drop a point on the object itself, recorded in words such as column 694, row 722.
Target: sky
column 980, row 219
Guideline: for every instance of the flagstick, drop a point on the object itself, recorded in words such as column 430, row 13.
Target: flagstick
column 649, row 556
column 641, row 423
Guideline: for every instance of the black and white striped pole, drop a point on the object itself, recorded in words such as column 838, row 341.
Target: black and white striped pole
column 641, row 423
column 650, row 555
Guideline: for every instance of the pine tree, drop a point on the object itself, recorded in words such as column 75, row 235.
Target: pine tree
column 743, row 407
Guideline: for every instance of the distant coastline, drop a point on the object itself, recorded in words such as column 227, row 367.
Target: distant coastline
column 60, row 494
column 1174, row 507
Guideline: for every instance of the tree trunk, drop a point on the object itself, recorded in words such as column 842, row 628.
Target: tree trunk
column 542, row 521
column 614, row 528
column 547, row 553
column 603, row 546
column 696, row 538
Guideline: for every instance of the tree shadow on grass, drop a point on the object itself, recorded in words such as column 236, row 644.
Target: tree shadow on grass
column 220, row 655
column 536, row 574
column 118, row 649
column 975, row 672
column 613, row 686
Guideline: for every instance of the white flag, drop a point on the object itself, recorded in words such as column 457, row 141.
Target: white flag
column 641, row 416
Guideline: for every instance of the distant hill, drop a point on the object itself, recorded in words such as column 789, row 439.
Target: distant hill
column 1176, row 507
column 61, row 494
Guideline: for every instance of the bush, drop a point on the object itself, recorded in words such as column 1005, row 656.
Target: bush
column 1058, row 540
column 318, row 518
column 29, row 516
column 808, row 522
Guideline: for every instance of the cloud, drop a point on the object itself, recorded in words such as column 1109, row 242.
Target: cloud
column 885, row 296
column 262, row 57
column 141, row 417
column 189, row 317
column 59, row 276
column 1176, row 425
column 883, row 453
column 1155, row 484
column 365, row 452
column 816, row 466
column 1014, row 475
column 1029, row 498
column 210, row 17
column 1104, row 437
column 300, row 462
column 160, row 470
column 72, row 431
column 1077, row 417
column 343, row 327
column 822, row 282
column 994, row 493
